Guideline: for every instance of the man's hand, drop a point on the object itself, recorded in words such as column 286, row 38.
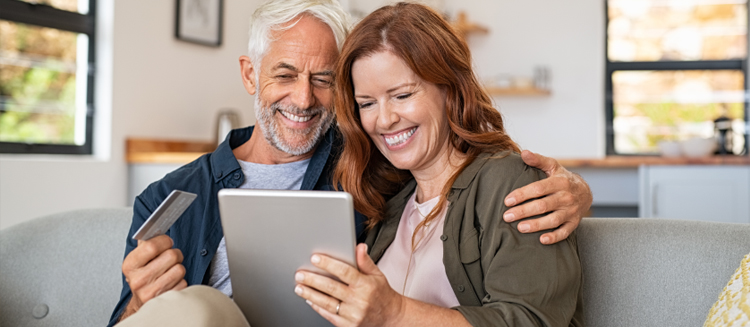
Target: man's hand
column 563, row 195
column 152, row 268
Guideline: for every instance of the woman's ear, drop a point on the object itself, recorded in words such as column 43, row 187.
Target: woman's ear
column 248, row 74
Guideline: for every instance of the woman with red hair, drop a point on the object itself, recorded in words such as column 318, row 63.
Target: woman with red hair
column 426, row 158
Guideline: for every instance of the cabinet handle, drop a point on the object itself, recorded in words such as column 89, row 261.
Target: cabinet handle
column 654, row 203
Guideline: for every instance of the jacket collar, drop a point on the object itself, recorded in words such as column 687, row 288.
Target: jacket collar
column 462, row 181
column 470, row 172
column 224, row 163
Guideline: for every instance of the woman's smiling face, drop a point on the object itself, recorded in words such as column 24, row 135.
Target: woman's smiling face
column 403, row 114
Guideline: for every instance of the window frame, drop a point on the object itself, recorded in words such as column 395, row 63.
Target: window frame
column 614, row 66
column 46, row 16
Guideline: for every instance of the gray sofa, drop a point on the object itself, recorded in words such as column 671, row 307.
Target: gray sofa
column 64, row 269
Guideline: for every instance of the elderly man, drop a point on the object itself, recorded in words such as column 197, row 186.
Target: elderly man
column 293, row 47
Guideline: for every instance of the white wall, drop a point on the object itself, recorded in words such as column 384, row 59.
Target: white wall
column 155, row 86
column 567, row 37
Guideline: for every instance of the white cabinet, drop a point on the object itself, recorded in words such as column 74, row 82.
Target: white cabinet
column 708, row 193
column 141, row 175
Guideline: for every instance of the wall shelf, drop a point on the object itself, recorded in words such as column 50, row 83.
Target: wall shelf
column 511, row 91
column 465, row 27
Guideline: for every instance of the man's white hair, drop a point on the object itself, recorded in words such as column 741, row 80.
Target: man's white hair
column 271, row 17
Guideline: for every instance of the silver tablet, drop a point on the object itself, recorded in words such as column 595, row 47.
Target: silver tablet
column 269, row 235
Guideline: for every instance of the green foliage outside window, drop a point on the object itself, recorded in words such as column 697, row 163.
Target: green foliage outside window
column 37, row 84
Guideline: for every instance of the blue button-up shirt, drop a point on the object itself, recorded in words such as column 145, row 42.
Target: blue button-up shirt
column 198, row 231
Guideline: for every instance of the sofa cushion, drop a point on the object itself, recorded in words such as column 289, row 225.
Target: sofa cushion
column 656, row 272
column 63, row 269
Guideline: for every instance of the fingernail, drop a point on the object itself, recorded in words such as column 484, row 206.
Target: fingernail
column 308, row 302
column 523, row 228
column 510, row 201
column 315, row 258
column 298, row 290
column 299, row 277
column 509, row 216
column 545, row 239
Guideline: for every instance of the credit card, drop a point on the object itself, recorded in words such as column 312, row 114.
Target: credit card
column 165, row 215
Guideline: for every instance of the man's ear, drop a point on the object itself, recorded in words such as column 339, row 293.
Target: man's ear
column 248, row 74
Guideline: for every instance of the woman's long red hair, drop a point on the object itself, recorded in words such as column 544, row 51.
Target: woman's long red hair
column 437, row 54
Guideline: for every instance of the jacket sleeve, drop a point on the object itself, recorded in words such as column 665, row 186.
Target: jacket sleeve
column 140, row 213
column 525, row 282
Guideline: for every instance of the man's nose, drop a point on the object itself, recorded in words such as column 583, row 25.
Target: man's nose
column 303, row 96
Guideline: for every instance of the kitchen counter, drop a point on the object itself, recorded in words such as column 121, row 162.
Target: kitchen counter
column 635, row 161
column 144, row 151
column 140, row 150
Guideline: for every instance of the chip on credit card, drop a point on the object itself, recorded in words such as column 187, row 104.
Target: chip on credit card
column 165, row 215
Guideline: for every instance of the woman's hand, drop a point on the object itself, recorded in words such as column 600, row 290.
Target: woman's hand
column 563, row 196
column 363, row 299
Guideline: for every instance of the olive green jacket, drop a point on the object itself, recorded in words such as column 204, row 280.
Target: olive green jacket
column 500, row 276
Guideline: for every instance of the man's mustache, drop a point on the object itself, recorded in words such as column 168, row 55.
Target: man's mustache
column 295, row 110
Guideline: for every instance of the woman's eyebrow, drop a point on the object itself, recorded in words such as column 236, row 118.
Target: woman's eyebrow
column 408, row 84
column 400, row 86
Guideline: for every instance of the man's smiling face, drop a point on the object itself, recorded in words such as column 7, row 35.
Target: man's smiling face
column 294, row 86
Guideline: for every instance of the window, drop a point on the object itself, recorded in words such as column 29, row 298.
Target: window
column 673, row 68
column 46, row 76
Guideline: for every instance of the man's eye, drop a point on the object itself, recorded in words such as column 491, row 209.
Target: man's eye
column 284, row 77
column 403, row 96
column 322, row 83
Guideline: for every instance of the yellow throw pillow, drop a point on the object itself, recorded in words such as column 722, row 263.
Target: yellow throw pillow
column 733, row 307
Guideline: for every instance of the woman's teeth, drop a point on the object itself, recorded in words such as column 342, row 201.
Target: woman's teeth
column 401, row 138
column 294, row 117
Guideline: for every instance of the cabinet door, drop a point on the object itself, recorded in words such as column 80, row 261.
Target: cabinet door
column 708, row 193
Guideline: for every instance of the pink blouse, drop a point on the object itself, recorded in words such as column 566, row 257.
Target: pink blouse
column 420, row 275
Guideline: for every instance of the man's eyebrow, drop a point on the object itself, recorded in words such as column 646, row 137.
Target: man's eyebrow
column 325, row 72
column 284, row 65
column 291, row 67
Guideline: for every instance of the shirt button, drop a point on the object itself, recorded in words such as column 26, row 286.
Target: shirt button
column 443, row 237
column 220, row 174
column 460, row 288
column 236, row 175
column 204, row 252
column 40, row 311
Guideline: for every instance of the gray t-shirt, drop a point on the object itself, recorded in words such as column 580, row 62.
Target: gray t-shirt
column 257, row 176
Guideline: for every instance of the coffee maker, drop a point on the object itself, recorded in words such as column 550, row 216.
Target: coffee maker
column 724, row 135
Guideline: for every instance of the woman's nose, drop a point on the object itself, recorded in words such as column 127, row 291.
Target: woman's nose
column 387, row 116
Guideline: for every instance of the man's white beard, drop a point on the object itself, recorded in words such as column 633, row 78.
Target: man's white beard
column 271, row 129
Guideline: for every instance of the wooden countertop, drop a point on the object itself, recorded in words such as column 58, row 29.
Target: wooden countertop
column 635, row 161
column 141, row 150
column 165, row 151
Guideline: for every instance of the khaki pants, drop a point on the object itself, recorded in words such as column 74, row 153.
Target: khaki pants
column 197, row 305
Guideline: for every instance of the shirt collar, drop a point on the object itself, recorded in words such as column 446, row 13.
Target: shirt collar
column 224, row 163
column 462, row 181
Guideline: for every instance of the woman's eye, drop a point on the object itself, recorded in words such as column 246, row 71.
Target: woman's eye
column 364, row 105
column 403, row 96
